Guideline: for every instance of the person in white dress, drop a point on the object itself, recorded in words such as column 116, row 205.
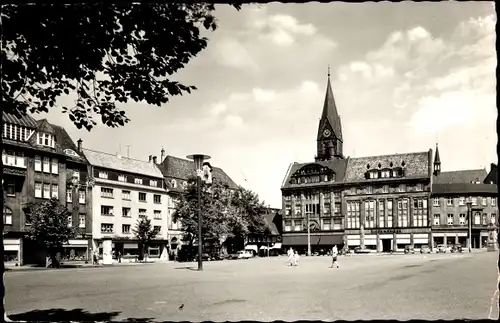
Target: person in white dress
column 290, row 256
column 296, row 258
column 335, row 254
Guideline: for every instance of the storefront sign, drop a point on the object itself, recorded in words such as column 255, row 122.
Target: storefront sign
column 388, row 231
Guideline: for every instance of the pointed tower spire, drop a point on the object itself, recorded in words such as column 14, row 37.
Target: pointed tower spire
column 437, row 162
column 330, row 110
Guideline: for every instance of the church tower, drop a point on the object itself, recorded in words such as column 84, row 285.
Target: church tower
column 437, row 162
column 330, row 130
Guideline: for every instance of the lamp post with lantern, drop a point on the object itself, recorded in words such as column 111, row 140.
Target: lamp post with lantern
column 469, row 211
column 198, row 160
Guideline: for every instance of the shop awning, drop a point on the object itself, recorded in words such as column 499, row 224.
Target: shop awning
column 251, row 247
column 277, row 245
column 316, row 240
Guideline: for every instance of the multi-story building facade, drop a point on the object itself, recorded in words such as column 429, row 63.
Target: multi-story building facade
column 451, row 191
column 176, row 172
column 376, row 202
column 39, row 160
column 125, row 190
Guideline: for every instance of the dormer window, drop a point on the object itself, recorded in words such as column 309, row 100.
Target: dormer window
column 45, row 139
column 173, row 183
column 70, row 152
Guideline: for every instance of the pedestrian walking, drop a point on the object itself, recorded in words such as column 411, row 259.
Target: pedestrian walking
column 335, row 254
column 119, row 257
column 290, row 256
column 296, row 258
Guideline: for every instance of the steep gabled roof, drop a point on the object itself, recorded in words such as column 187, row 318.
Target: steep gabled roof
column 64, row 141
column 330, row 112
column 416, row 165
column 437, row 160
column 269, row 219
column 464, row 189
column 129, row 165
column 25, row 121
column 460, row 176
column 45, row 126
column 337, row 165
column 174, row 167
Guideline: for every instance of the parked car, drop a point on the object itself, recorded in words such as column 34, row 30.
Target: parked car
column 425, row 249
column 218, row 256
column 441, row 248
column 457, row 248
column 243, row 254
column 232, row 256
column 361, row 250
column 204, row 256
column 409, row 249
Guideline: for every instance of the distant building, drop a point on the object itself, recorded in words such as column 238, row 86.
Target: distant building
column 492, row 177
column 40, row 161
column 270, row 243
column 176, row 172
column 450, row 217
column 125, row 190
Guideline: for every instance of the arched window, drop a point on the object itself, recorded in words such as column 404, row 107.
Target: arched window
column 7, row 213
column 173, row 182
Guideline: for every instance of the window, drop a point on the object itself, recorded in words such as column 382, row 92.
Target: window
column 337, row 224
column 13, row 158
column 450, row 201
column 55, row 191
column 297, row 225
column 477, row 218
column 461, row 219
column 103, row 175
column 419, row 212
column 69, row 195
column 157, row 228
column 326, row 224
column 126, row 195
column 326, row 208
column 369, row 190
column 38, row 189
column 76, row 174
column 81, row 197
column 493, row 201
column 106, row 228
column 450, row 219
column 122, row 178
column 125, row 228
column 493, row 218
column 157, row 198
column 381, row 214
column 403, row 213
column 390, row 214
column 106, row 210
column 11, row 188
column 138, row 180
column 401, row 188
column 46, row 164
column 437, row 219
column 153, row 183
column 142, row 197
column 484, row 219
column 157, row 214
column 385, row 188
column 45, row 139
column 7, row 216
column 142, row 213
column 337, row 207
column 369, row 214
column 419, row 187
column 353, row 214
column 461, row 200
column 288, row 210
column 474, row 200
column 435, row 201
column 70, row 221
column 46, row 191
column 483, row 200
column 38, row 163
column 55, row 166
column 126, row 212
column 81, row 219
column 106, row 192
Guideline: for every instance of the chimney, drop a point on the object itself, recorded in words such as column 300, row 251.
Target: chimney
column 154, row 159
column 79, row 142
column 162, row 156
column 150, row 157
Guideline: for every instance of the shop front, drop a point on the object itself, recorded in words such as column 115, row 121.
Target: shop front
column 76, row 250
column 12, row 251
column 319, row 242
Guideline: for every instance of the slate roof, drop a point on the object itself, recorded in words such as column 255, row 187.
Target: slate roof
column 464, row 188
column 129, row 165
column 45, row 126
column 25, row 121
column 268, row 218
column 179, row 168
column 416, row 165
column 330, row 112
column 460, row 176
column 337, row 165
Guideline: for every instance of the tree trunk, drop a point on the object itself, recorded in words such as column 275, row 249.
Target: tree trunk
column 141, row 251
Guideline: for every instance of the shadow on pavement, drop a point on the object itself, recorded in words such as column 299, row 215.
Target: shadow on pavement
column 59, row 315
column 188, row 268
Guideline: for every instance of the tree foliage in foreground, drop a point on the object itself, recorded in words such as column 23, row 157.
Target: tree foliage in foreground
column 49, row 227
column 144, row 232
column 225, row 214
column 105, row 53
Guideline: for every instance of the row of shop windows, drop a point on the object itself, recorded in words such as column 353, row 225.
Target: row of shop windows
column 108, row 210
column 450, row 201
column 326, row 224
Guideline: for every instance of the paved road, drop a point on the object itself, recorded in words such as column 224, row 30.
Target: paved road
column 444, row 286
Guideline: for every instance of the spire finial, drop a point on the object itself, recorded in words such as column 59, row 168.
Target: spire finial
column 328, row 70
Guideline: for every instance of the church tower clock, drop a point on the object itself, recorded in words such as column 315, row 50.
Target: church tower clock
column 329, row 138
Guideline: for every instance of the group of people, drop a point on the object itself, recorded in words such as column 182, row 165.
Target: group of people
column 293, row 257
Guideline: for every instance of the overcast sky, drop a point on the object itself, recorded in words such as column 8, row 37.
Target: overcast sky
column 404, row 75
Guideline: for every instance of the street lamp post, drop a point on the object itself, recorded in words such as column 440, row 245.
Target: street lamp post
column 469, row 210
column 198, row 163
